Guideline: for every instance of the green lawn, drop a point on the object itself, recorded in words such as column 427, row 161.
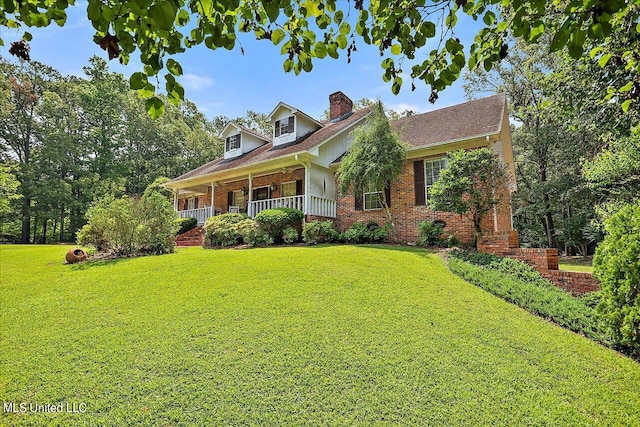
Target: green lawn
column 576, row 263
column 290, row 336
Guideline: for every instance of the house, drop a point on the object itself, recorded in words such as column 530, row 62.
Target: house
column 295, row 167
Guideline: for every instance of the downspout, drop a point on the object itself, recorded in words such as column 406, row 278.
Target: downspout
column 307, row 183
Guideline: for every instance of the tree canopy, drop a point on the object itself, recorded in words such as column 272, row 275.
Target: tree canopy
column 468, row 184
column 374, row 160
column 415, row 37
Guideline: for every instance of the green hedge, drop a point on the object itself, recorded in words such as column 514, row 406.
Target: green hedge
column 316, row 231
column 273, row 222
column 371, row 232
column 537, row 295
column 127, row 225
column 617, row 266
column 222, row 230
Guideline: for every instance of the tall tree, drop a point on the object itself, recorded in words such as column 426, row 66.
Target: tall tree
column 24, row 84
column 549, row 142
column 373, row 161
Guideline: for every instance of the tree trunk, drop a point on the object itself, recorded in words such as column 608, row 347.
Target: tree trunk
column 62, row 225
column 394, row 233
column 35, row 228
column 26, row 220
column 548, row 218
column 43, row 239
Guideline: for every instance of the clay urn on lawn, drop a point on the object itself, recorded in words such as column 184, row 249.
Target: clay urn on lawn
column 76, row 255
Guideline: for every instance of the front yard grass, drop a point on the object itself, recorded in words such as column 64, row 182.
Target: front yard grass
column 328, row 335
column 576, row 263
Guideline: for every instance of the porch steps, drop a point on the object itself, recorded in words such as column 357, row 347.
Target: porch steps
column 194, row 237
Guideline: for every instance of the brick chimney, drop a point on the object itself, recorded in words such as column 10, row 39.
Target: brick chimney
column 340, row 106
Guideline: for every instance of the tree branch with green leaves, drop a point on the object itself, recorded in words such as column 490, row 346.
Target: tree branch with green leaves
column 412, row 35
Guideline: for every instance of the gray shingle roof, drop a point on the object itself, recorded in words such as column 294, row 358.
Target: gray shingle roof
column 458, row 122
column 463, row 121
column 268, row 151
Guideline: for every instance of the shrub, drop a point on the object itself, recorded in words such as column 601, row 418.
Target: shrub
column 476, row 258
column 156, row 231
column 248, row 232
column 376, row 233
column 617, row 266
column 273, row 221
column 316, row 231
column 128, row 225
column 220, row 230
column 546, row 301
column 360, row 232
column 430, row 233
column 452, row 241
column 185, row 224
column 592, row 299
column 290, row 235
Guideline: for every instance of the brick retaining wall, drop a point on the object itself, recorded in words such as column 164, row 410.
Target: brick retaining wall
column 505, row 244
column 576, row 282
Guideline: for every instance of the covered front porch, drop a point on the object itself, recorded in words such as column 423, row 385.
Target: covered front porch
column 318, row 206
column 286, row 188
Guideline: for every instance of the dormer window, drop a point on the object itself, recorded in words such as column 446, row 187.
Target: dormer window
column 232, row 143
column 284, row 126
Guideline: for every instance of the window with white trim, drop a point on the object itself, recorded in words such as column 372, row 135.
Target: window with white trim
column 288, row 189
column 432, row 170
column 191, row 203
column 372, row 198
column 232, row 142
column 238, row 199
column 284, row 126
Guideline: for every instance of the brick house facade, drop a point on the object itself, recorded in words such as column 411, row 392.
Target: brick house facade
column 296, row 167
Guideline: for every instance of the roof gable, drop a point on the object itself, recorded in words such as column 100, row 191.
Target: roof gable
column 472, row 119
column 293, row 110
column 240, row 128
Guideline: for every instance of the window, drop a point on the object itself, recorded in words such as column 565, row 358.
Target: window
column 288, row 189
column 261, row 193
column 432, row 171
column 233, row 142
column 372, row 199
column 191, row 203
column 284, row 126
column 238, row 199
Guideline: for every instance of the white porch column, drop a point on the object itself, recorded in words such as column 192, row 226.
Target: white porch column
column 213, row 192
column 175, row 200
column 307, row 188
column 249, row 206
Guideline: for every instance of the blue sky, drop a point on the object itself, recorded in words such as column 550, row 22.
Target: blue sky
column 227, row 83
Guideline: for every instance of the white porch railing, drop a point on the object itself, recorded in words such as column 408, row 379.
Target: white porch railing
column 318, row 205
column 293, row 202
column 200, row 214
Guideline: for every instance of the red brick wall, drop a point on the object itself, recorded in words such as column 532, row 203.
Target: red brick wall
column 500, row 243
column 407, row 215
column 539, row 258
column 543, row 260
column 576, row 282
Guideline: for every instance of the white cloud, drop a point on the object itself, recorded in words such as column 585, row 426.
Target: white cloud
column 196, row 82
column 400, row 107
